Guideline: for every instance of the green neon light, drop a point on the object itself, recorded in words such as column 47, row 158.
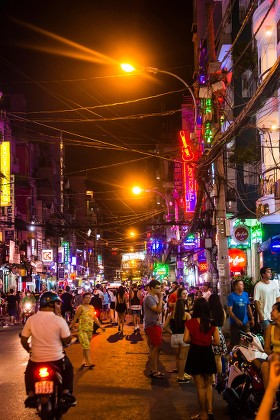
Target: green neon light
column 208, row 134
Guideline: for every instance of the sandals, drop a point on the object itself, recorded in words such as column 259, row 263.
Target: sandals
column 173, row 371
column 156, row 375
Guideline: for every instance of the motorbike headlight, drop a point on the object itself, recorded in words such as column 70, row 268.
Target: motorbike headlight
column 28, row 305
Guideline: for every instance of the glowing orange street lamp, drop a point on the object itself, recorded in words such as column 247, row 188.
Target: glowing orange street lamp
column 128, row 68
column 138, row 190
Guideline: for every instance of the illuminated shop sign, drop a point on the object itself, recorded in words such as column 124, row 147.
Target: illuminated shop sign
column 5, row 167
column 133, row 256
column 47, row 255
column 275, row 245
column 256, row 233
column 161, row 270
column 66, row 249
column 190, row 188
column 241, row 233
column 190, row 241
column 237, row 259
column 203, row 267
column 187, row 153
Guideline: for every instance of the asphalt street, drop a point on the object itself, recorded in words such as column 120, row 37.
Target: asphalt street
column 118, row 387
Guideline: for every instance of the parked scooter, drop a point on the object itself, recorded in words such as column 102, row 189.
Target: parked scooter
column 244, row 386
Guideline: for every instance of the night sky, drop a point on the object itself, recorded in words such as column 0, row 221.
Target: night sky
column 65, row 56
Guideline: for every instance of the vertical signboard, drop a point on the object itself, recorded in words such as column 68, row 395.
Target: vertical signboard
column 5, row 168
column 66, row 248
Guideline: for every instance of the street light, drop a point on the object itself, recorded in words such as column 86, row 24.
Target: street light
column 138, row 190
column 128, row 68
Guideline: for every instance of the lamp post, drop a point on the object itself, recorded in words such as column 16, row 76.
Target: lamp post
column 128, row 68
column 137, row 190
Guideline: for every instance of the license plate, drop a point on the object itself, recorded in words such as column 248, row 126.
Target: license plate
column 44, row 387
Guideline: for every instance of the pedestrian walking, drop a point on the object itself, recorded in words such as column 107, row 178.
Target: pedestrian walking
column 266, row 293
column 240, row 312
column 86, row 316
column 202, row 334
column 121, row 307
column 175, row 325
column 135, row 297
column 218, row 315
column 106, row 304
column 153, row 327
column 12, row 306
column 112, row 294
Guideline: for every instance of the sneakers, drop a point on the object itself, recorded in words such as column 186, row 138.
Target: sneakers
column 183, row 381
column 68, row 398
column 30, row 402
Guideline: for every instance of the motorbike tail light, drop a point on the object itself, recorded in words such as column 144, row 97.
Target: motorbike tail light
column 95, row 313
column 44, row 372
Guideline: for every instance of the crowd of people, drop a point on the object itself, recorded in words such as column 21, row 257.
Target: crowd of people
column 193, row 316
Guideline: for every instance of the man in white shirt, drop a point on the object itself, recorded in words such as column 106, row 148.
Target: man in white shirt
column 49, row 333
column 266, row 294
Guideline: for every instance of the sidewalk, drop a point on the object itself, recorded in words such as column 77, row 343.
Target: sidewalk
column 119, row 387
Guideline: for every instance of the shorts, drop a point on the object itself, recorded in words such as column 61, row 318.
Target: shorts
column 84, row 338
column 177, row 340
column 105, row 307
column 136, row 311
column 12, row 312
column 154, row 333
column 113, row 305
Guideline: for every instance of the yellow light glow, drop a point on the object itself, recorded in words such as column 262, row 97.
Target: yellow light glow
column 5, row 165
column 268, row 30
column 137, row 190
column 128, row 68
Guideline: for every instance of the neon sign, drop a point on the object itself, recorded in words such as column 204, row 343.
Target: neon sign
column 187, row 153
column 5, row 169
column 66, row 249
column 237, row 259
column 190, row 188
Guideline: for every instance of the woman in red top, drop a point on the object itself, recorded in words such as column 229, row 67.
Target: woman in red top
column 202, row 334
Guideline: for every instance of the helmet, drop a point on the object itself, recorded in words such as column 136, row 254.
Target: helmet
column 48, row 299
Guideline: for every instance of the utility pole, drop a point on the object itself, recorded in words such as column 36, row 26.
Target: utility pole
column 220, row 211
column 220, row 216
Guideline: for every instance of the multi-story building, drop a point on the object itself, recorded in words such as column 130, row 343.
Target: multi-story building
column 236, row 46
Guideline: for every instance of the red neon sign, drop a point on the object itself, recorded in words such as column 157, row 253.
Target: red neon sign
column 203, row 267
column 187, row 153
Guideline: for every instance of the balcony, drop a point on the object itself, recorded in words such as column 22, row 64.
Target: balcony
column 268, row 205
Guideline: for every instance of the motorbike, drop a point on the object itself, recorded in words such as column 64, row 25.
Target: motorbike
column 48, row 392
column 28, row 309
column 244, row 388
column 48, row 399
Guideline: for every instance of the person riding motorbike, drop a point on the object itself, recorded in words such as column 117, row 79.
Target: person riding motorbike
column 28, row 302
column 49, row 333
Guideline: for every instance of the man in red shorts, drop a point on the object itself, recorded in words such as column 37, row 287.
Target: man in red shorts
column 153, row 328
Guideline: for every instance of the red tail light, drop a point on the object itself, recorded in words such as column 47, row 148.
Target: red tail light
column 43, row 372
